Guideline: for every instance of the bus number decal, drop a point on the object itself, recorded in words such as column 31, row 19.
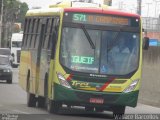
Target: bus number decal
column 79, row 17
column 82, row 60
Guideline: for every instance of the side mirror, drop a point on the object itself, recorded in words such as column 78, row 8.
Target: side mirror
column 142, row 29
column 145, row 43
column 12, row 54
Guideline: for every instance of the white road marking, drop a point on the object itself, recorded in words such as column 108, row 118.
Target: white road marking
column 18, row 111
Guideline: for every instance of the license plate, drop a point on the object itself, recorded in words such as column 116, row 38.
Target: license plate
column 96, row 100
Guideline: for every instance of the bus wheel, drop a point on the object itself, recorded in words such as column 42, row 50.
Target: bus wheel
column 118, row 111
column 31, row 100
column 53, row 106
column 9, row 81
column 89, row 109
column 41, row 102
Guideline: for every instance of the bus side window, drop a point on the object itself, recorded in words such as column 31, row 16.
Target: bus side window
column 54, row 37
column 49, row 45
column 30, row 34
column 24, row 34
column 26, row 30
column 33, row 33
column 38, row 33
column 47, row 33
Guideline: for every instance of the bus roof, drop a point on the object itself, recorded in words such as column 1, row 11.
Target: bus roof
column 44, row 12
column 58, row 11
column 102, row 11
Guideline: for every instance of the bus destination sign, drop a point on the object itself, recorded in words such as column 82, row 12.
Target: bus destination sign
column 99, row 19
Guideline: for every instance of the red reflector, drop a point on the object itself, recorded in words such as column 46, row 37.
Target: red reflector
column 69, row 78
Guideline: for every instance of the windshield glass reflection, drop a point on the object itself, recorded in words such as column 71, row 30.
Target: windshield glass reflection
column 115, row 53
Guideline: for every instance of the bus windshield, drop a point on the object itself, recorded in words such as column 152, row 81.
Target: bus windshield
column 16, row 44
column 115, row 53
column 4, row 61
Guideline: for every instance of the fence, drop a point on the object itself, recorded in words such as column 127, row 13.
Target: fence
column 151, row 27
column 150, row 92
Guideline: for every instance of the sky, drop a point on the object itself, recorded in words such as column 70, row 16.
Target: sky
column 150, row 8
column 38, row 3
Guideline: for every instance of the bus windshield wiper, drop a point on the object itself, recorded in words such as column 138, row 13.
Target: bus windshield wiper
column 88, row 37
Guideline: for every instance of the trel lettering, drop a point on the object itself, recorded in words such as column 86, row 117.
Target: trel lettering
column 80, row 84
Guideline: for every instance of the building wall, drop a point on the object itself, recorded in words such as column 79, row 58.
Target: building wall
column 150, row 86
column 151, row 27
column 153, row 35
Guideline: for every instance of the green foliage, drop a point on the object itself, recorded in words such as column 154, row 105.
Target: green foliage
column 13, row 12
column 16, row 10
column 23, row 10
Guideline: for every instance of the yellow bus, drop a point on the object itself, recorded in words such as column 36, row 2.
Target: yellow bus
column 90, row 57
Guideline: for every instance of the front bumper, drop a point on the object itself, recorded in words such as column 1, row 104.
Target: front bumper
column 5, row 75
column 80, row 97
column 15, row 63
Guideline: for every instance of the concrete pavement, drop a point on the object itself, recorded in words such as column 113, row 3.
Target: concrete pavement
column 13, row 101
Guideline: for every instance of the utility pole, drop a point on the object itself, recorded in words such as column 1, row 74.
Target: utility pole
column 1, row 21
column 148, row 4
column 139, row 6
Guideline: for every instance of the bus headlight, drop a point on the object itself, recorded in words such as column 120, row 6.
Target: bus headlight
column 63, row 81
column 131, row 87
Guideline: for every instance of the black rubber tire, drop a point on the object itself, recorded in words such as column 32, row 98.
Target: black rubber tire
column 41, row 102
column 31, row 100
column 118, row 110
column 53, row 106
column 9, row 81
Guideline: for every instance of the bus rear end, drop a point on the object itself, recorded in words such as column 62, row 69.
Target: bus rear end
column 89, row 72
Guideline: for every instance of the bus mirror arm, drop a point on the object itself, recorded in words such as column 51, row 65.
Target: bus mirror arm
column 145, row 43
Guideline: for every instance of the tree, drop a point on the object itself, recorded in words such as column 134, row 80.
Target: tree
column 14, row 12
column 23, row 10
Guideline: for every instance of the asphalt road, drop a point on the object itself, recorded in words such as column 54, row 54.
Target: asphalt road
column 13, row 102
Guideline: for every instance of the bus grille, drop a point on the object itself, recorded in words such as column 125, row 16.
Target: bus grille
column 18, row 56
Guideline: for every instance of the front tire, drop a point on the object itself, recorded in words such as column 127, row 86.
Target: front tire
column 9, row 81
column 118, row 110
column 31, row 100
column 53, row 106
column 41, row 102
